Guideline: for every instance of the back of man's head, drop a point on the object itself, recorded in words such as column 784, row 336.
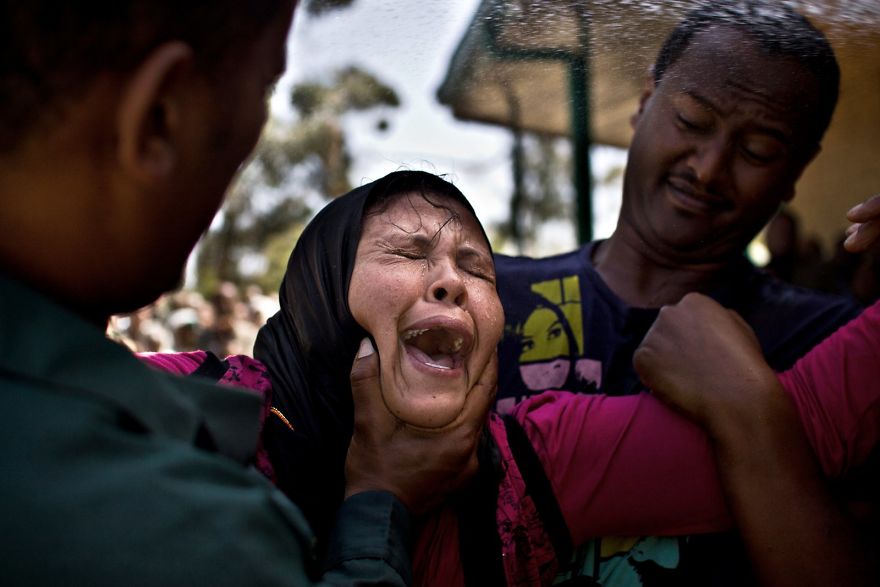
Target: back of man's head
column 50, row 52
column 121, row 124
column 778, row 30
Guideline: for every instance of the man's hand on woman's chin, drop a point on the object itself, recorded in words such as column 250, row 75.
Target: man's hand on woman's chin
column 422, row 467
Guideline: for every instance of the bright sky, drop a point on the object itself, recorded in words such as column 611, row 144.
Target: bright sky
column 408, row 44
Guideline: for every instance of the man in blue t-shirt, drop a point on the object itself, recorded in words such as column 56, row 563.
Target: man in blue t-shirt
column 720, row 138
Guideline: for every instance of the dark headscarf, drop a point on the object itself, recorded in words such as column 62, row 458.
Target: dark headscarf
column 308, row 347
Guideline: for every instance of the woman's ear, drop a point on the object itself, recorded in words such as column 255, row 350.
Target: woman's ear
column 150, row 113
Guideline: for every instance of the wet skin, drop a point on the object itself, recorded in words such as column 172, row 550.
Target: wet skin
column 719, row 143
column 423, row 286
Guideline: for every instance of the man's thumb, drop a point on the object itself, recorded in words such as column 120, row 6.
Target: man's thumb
column 366, row 364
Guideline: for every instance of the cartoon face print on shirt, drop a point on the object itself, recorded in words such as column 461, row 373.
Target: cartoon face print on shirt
column 552, row 339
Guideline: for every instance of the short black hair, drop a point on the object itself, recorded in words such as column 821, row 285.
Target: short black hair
column 778, row 30
column 50, row 52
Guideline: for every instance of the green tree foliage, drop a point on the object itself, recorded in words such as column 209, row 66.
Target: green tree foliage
column 318, row 139
column 541, row 167
column 294, row 163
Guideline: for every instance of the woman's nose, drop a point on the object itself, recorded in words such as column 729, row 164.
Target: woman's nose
column 448, row 285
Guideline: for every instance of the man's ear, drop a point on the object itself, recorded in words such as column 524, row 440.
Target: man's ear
column 647, row 90
column 149, row 112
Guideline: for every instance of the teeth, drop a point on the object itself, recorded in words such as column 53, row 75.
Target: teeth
column 453, row 347
column 436, row 366
column 414, row 333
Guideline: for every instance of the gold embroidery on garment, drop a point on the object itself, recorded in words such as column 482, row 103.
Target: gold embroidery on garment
column 278, row 413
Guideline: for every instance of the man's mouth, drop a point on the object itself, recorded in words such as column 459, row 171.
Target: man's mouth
column 695, row 200
column 437, row 347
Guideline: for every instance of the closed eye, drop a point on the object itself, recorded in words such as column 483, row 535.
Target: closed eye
column 477, row 264
column 757, row 158
column 689, row 124
column 480, row 274
column 414, row 255
column 415, row 251
column 763, row 150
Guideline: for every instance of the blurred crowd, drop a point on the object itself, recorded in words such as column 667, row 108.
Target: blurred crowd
column 799, row 259
column 225, row 323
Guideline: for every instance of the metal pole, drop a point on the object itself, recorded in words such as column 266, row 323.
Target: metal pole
column 579, row 83
column 579, row 90
column 580, row 138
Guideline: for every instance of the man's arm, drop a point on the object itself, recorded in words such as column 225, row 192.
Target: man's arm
column 706, row 362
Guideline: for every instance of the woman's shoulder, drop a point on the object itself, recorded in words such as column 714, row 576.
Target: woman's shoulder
column 177, row 363
column 239, row 371
column 245, row 371
column 234, row 370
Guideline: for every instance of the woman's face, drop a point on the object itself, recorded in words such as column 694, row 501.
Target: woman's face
column 423, row 286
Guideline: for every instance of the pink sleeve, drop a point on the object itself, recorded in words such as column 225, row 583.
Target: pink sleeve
column 177, row 363
column 624, row 466
column 242, row 372
column 630, row 466
column 836, row 388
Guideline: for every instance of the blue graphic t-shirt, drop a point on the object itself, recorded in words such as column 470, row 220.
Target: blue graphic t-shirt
column 565, row 329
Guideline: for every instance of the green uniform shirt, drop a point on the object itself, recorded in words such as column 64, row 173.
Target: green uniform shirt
column 115, row 474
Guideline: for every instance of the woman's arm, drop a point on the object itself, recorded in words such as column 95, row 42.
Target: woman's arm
column 631, row 466
column 838, row 389
column 624, row 466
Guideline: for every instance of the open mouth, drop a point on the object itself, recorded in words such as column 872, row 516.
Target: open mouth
column 438, row 348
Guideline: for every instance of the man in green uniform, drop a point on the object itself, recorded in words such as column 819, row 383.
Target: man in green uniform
column 121, row 126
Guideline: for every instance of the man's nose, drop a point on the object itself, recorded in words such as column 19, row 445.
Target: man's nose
column 709, row 159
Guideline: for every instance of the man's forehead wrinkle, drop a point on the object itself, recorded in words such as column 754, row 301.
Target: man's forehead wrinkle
column 782, row 108
column 726, row 101
column 747, row 96
column 734, row 92
column 704, row 101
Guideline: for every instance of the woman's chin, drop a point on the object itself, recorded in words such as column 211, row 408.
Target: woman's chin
column 434, row 411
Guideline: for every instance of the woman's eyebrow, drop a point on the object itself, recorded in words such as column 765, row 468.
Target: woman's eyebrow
column 419, row 239
column 402, row 238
